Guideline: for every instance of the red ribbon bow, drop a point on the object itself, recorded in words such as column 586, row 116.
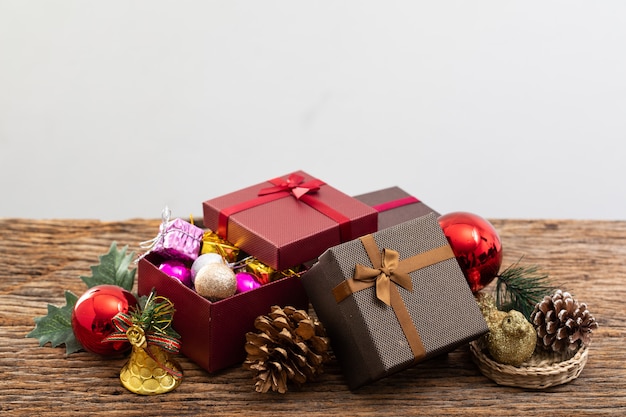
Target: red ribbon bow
column 124, row 321
column 294, row 185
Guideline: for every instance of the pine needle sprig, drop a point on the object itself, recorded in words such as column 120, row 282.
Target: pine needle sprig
column 521, row 288
column 155, row 314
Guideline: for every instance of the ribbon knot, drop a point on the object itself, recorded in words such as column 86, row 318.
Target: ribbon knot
column 294, row 185
column 143, row 330
column 384, row 275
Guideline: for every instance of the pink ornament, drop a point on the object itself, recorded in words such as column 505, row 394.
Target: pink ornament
column 246, row 282
column 177, row 269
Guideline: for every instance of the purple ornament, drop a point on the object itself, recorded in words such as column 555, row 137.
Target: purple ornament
column 246, row 282
column 176, row 239
column 177, row 269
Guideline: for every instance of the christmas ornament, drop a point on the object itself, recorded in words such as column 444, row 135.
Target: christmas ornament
column 488, row 308
column 92, row 315
column 215, row 282
column 204, row 259
column 177, row 269
column 212, row 243
column 246, row 282
column 56, row 327
column 177, row 239
column 562, row 323
column 289, row 346
column 476, row 245
column 150, row 369
column 511, row 339
column 262, row 272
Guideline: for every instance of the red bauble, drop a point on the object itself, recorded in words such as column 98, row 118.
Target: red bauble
column 92, row 314
column 476, row 245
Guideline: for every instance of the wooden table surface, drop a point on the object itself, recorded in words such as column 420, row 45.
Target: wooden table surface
column 41, row 259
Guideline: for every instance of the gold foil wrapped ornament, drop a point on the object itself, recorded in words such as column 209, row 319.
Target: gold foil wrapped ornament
column 212, row 243
column 262, row 272
column 266, row 274
column 150, row 369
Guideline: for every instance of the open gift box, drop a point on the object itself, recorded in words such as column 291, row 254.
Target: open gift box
column 392, row 299
column 213, row 333
column 288, row 221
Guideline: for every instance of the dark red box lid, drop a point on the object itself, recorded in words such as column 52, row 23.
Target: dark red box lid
column 213, row 333
column 287, row 232
column 394, row 206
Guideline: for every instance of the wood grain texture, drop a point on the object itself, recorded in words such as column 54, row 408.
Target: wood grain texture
column 41, row 259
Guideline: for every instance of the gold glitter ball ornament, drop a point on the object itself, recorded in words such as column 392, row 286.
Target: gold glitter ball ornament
column 511, row 339
column 215, row 281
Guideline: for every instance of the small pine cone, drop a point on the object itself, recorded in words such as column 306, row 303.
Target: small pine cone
column 562, row 323
column 289, row 346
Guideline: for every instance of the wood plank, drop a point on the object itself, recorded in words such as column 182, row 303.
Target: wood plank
column 42, row 258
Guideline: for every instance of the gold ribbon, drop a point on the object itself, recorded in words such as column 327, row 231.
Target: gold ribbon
column 388, row 268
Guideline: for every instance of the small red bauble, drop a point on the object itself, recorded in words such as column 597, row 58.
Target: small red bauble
column 476, row 245
column 92, row 314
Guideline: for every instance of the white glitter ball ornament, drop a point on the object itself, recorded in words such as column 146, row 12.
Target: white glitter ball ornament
column 203, row 260
column 215, row 281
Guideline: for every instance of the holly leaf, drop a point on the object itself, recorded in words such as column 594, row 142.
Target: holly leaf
column 56, row 327
column 113, row 269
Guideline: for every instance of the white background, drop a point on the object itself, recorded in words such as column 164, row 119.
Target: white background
column 508, row 109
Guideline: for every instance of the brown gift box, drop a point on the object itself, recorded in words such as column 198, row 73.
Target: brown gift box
column 372, row 339
column 294, row 223
column 394, row 206
column 213, row 333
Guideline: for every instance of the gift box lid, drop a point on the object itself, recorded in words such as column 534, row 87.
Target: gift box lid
column 366, row 334
column 394, row 206
column 288, row 221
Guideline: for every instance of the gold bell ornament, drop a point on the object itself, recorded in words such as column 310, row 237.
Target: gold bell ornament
column 150, row 369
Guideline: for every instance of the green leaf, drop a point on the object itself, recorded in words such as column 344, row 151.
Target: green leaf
column 56, row 327
column 113, row 269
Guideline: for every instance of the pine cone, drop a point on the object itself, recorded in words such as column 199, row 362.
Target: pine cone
column 289, row 347
column 562, row 323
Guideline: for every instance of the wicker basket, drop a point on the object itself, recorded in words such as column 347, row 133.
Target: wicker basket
column 542, row 370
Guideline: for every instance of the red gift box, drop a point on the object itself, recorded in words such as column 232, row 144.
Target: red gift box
column 288, row 221
column 394, row 206
column 213, row 334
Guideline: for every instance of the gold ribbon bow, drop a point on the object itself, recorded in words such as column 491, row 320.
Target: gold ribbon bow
column 388, row 268
column 388, row 272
